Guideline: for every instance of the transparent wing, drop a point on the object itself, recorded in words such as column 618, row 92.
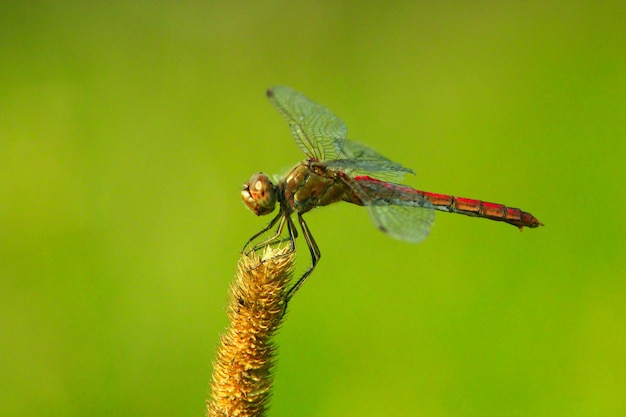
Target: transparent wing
column 322, row 135
column 317, row 131
column 395, row 209
column 410, row 223
column 359, row 159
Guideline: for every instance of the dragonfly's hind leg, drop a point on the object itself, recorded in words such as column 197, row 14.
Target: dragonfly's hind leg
column 315, row 257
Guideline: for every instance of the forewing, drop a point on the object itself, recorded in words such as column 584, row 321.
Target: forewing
column 317, row 131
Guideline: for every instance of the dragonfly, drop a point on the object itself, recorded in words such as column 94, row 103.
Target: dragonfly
column 338, row 169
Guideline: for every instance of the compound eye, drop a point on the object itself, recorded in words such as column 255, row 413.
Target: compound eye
column 259, row 194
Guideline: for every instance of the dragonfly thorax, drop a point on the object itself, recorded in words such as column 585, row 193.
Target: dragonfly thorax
column 259, row 194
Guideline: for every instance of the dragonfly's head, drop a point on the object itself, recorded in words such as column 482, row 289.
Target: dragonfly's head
column 259, row 194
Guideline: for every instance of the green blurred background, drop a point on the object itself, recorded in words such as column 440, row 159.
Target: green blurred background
column 127, row 129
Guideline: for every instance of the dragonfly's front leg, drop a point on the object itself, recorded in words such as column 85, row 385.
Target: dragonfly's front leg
column 268, row 227
column 292, row 234
column 315, row 257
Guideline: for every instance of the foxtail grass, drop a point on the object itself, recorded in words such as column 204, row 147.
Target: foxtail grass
column 242, row 374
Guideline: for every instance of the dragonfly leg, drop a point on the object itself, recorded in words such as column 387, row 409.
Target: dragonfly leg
column 315, row 257
column 265, row 229
column 293, row 234
column 273, row 240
